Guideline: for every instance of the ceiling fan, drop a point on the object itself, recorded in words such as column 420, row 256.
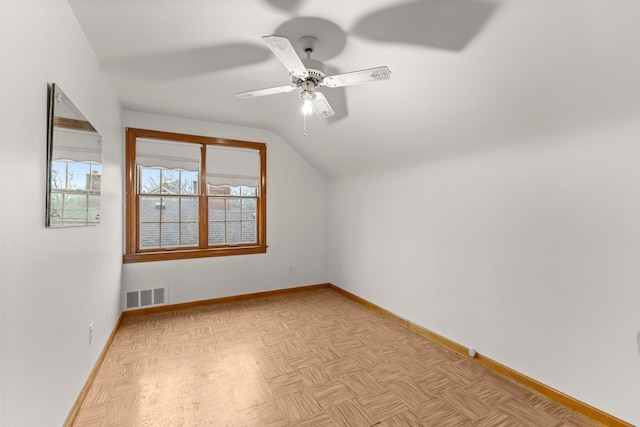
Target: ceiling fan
column 309, row 74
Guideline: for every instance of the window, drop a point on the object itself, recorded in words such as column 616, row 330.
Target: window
column 75, row 193
column 193, row 196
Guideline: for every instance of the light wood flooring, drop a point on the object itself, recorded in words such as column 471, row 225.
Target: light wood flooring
column 306, row 359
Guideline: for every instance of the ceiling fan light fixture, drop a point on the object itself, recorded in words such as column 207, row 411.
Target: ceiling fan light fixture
column 308, row 96
column 307, row 109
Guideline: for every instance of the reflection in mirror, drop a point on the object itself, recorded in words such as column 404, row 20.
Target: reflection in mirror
column 74, row 151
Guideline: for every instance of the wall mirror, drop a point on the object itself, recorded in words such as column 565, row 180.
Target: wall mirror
column 74, row 170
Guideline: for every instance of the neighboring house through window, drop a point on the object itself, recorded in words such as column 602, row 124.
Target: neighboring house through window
column 192, row 196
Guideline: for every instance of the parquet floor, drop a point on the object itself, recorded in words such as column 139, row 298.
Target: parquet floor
column 306, row 359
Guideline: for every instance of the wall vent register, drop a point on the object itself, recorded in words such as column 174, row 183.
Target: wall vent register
column 146, row 298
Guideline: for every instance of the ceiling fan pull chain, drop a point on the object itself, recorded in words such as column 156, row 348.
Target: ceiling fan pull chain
column 304, row 125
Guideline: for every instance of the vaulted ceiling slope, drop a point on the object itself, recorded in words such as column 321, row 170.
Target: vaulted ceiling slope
column 466, row 74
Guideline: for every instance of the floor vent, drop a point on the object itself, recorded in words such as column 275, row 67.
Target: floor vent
column 145, row 298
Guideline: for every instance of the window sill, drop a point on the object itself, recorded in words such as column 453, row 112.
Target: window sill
column 191, row 253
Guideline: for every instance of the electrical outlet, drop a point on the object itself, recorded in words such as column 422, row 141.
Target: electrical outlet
column 90, row 333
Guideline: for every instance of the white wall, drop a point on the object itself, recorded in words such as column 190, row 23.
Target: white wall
column 54, row 281
column 530, row 254
column 296, row 226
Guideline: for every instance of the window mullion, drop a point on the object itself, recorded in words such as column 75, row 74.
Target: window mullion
column 180, row 220
column 160, row 219
column 203, row 203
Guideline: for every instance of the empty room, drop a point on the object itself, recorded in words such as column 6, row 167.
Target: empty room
column 327, row 213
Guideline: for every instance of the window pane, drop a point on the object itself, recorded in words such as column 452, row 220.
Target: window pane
column 58, row 175
column 216, row 233
column 96, row 168
column 93, row 180
column 75, row 209
column 233, row 233
column 171, row 209
column 149, row 235
column 189, row 234
column 233, row 209
column 249, row 232
column 234, row 219
column 248, row 191
column 170, row 182
column 78, row 175
column 216, row 209
column 94, row 209
column 149, row 181
column 150, row 208
column 188, row 182
column 189, row 209
column 248, row 209
column 56, row 209
column 170, row 235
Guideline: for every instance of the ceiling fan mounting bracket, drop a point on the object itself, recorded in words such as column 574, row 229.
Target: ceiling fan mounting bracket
column 308, row 44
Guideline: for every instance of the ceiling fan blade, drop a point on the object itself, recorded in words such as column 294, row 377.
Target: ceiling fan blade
column 337, row 97
column 264, row 92
column 321, row 106
column 357, row 77
column 282, row 49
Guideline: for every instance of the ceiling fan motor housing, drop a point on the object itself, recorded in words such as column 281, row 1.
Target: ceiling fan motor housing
column 316, row 69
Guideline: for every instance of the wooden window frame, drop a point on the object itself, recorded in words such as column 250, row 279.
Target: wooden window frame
column 132, row 254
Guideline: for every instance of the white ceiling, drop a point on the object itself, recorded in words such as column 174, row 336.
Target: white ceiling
column 466, row 74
